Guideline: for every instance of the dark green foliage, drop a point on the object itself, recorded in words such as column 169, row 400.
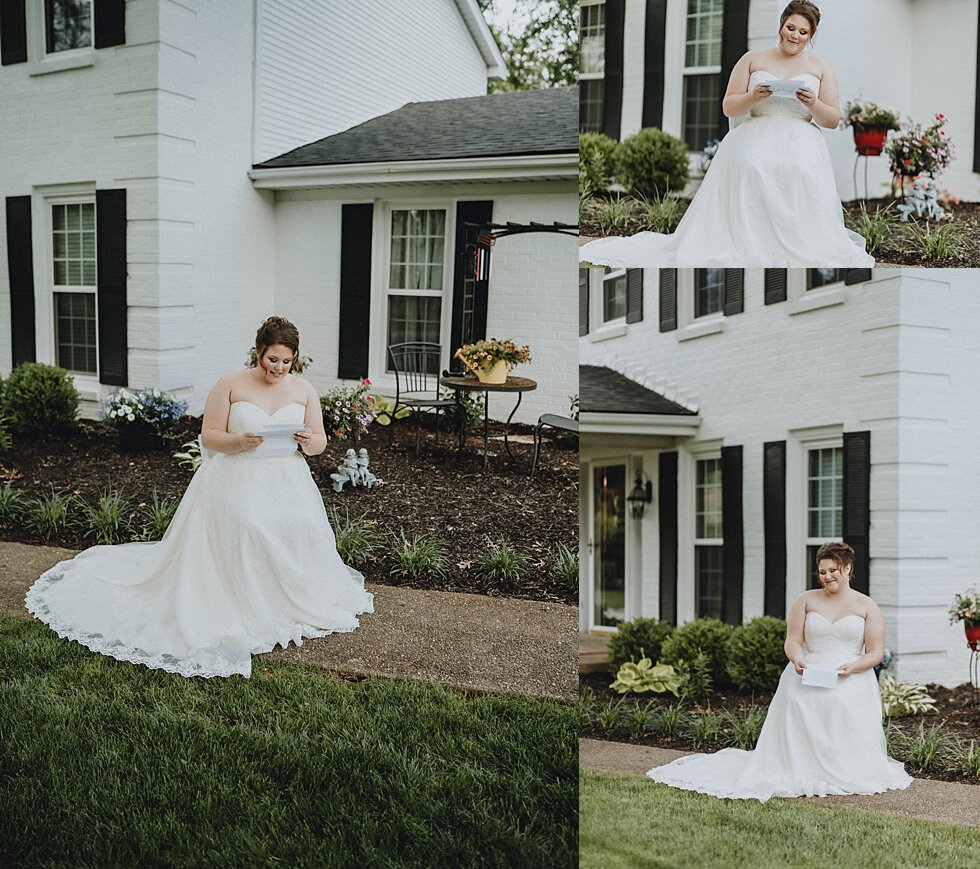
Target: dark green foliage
column 755, row 654
column 652, row 162
column 638, row 638
column 702, row 635
column 39, row 398
column 596, row 153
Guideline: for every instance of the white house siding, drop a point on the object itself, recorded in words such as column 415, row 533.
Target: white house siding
column 532, row 281
column 895, row 357
column 318, row 69
column 916, row 56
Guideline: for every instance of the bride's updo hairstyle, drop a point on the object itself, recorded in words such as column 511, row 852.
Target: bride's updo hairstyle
column 278, row 330
column 802, row 7
column 840, row 553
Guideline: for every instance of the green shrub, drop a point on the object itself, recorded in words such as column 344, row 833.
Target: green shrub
column 636, row 639
column 39, row 398
column 702, row 635
column 756, row 658
column 652, row 162
column 697, row 678
column 596, row 156
column 6, row 442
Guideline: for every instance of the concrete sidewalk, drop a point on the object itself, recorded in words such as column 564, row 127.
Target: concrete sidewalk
column 465, row 640
column 924, row 799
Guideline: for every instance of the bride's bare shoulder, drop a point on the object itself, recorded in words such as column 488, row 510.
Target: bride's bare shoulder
column 756, row 58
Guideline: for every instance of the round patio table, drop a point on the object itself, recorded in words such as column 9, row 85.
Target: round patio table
column 467, row 383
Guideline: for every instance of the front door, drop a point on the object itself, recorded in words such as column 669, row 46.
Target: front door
column 608, row 535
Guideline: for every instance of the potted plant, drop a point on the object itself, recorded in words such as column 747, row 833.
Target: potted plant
column 871, row 124
column 347, row 411
column 966, row 609
column 490, row 360
column 915, row 150
column 142, row 417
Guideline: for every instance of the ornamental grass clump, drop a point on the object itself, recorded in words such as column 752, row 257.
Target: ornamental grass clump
column 159, row 514
column 108, row 519
column 347, row 411
column 564, row 566
column 356, row 539
column 49, row 514
column 501, row 562
column 11, row 504
column 156, row 408
column 419, row 557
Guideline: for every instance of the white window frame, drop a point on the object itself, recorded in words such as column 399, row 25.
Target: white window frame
column 40, row 61
column 815, row 541
column 687, row 460
column 712, row 456
column 803, row 300
column 689, row 326
column 378, row 372
column 44, row 308
column 609, row 278
column 600, row 329
column 594, row 76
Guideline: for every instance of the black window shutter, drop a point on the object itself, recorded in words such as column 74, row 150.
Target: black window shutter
column 774, row 524
column 110, row 248
column 857, row 276
column 479, row 212
column 20, row 270
column 655, row 38
column 731, row 523
column 110, row 23
column 583, row 302
column 857, row 503
column 668, row 299
column 775, row 285
column 612, row 100
column 634, row 295
column 667, row 512
column 356, row 223
column 13, row 32
column 976, row 114
column 734, row 280
column 734, row 43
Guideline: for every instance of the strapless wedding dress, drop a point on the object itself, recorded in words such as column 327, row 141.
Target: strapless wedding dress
column 768, row 199
column 814, row 742
column 249, row 562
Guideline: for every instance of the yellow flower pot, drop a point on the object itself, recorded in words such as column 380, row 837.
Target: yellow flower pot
column 496, row 374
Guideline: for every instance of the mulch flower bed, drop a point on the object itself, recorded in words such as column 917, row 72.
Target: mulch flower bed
column 957, row 712
column 440, row 494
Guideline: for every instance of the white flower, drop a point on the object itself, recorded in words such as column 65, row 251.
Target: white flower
column 131, row 418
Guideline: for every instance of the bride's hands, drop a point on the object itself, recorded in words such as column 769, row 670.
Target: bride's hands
column 800, row 666
column 761, row 92
column 249, row 441
column 806, row 96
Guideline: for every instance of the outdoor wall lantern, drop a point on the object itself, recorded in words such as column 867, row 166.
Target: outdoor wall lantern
column 641, row 495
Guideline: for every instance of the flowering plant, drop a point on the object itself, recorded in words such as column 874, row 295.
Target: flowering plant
column 866, row 115
column 153, row 406
column 708, row 153
column 485, row 354
column 347, row 411
column 916, row 150
column 966, row 608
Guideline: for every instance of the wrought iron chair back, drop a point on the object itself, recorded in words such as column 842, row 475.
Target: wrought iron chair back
column 416, row 367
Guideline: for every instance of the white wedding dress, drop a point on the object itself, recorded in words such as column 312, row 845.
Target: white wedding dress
column 814, row 742
column 768, row 199
column 248, row 562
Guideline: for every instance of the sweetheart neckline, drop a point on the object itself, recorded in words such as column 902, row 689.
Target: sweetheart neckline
column 777, row 78
column 288, row 404
column 829, row 622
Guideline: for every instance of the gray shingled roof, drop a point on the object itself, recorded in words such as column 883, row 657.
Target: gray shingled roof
column 602, row 390
column 516, row 123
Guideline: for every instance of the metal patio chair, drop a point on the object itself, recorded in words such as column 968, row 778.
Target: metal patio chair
column 564, row 423
column 416, row 367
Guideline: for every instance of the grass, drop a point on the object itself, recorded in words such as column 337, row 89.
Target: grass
column 627, row 821
column 114, row 764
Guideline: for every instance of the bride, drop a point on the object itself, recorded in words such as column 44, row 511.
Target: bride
column 769, row 197
column 815, row 740
column 249, row 560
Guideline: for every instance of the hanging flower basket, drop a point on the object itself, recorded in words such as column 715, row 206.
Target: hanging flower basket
column 870, row 141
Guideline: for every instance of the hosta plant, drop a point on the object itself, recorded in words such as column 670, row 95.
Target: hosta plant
column 903, row 698
column 644, row 675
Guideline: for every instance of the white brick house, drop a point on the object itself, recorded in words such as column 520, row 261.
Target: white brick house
column 137, row 248
column 807, row 406
column 665, row 63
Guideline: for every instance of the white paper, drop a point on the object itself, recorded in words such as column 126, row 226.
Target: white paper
column 820, row 677
column 785, row 87
column 277, row 440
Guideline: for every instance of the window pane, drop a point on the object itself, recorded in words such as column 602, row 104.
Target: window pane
column 709, row 581
column 822, row 277
column 69, row 24
column 825, row 493
column 701, row 108
column 709, row 291
column 418, row 245
column 73, row 244
column 75, row 331
column 591, row 92
column 609, row 509
column 704, row 22
column 614, row 298
column 708, row 515
column 592, row 31
column 414, row 318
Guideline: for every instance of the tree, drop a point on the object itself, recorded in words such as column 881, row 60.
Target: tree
column 540, row 45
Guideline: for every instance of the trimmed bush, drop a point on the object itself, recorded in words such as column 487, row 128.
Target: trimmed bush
column 652, row 162
column 596, row 155
column 755, row 654
column 702, row 635
column 638, row 638
column 39, row 398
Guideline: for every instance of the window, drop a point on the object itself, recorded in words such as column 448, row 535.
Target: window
column 708, row 540
column 68, row 24
column 825, row 502
column 709, row 291
column 592, row 39
column 416, row 275
column 702, row 72
column 613, row 295
column 73, row 271
column 824, row 277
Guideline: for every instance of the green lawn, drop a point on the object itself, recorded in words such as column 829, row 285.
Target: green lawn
column 628, row 821
column 110, row 764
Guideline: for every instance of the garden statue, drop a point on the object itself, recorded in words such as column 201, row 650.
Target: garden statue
column 366, row 477
column 923, row 200
column 348, row 471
